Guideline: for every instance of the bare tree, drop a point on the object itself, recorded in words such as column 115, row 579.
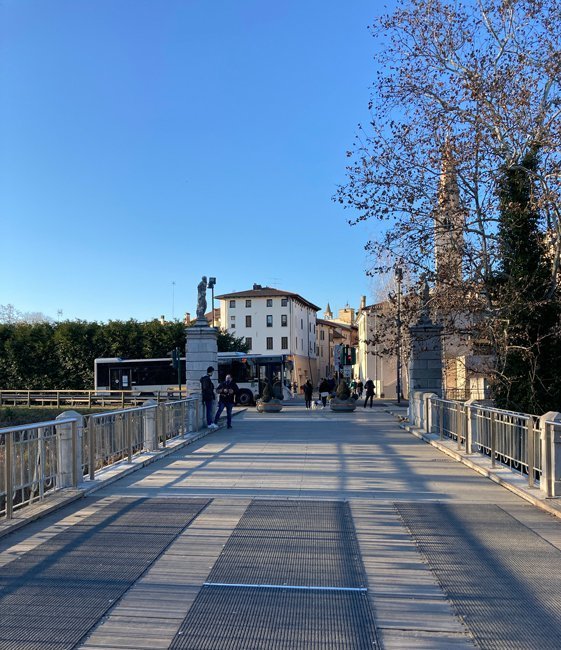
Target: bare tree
column 477, row 80
column 464, row 90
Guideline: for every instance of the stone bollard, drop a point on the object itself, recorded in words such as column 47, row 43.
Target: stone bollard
column 69, row 453
column 471, row 429
column 428, row 423
column 150, row 442
column 550, row 442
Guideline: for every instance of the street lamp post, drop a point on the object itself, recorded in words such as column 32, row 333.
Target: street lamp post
column 211, row 283
column 399, row 278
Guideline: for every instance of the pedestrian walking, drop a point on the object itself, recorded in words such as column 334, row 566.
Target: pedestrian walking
column 324, row 391
column 308, row 393
column 359, row 388
column 207, row 390
column 370, row 392
column 227, row 393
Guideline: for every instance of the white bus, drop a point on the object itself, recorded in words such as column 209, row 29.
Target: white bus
column 146, row 377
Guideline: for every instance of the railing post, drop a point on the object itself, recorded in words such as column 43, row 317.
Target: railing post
column 493, row 437
column 128, row 434
column 92, row 425
column 9, row 445
column 441, row 422
column 427, row 411
column 471, row 424
column 69, row 449
column 550, row 439
column 459, row 424
column 530, row 450
column 150, row 432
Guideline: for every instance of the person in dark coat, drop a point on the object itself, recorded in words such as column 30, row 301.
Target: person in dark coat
column 369, row 391
column 227, row 393
column 324, row 391
column 207, row 393
column 308, row 393
column 359, row 388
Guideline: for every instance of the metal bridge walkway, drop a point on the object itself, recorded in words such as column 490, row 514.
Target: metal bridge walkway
column 293, row 530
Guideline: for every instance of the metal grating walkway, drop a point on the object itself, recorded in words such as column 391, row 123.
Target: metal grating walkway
column 237, row 618
column 53, row 595
column 290, row 577
column 503, row 579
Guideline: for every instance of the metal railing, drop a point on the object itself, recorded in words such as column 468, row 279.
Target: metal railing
column 30, row 463
column 506, row 437
column 84, row 398
column 38, row 459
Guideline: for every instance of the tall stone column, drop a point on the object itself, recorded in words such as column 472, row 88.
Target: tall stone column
column 425, row 365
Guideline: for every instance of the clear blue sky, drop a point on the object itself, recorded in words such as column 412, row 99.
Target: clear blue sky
column 145, row 142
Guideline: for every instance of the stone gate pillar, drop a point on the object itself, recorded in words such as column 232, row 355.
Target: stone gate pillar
column 425, row 364
column 201, row 351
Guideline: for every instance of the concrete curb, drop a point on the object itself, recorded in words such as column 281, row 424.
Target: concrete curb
column 503, row 476
column 104, row 478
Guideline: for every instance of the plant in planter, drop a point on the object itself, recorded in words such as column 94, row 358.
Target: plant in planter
column 268, row 403
column 343, row 400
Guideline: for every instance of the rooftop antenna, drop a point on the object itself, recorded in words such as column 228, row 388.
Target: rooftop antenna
column 273, row 282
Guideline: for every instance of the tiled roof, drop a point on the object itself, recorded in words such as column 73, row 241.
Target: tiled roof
column 267, row 292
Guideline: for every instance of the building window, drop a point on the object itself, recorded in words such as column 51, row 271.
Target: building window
column 249, row 342
column 322, row 336
column 269, row 302
column 248, row 303
column 296, row 341
column 232, row 303
column 284, row 342
column 284, row 302
column 269, row 320
column 269, row 343
column 232, row 318
column 284, row 320
column 301, row 323
column 310, row 326
column 248, row 321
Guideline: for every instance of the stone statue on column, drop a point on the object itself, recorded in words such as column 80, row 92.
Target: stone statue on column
column 201, row 299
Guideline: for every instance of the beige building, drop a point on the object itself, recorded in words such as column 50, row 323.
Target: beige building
column 376, row 354
column 332, row 332
column 274, row 322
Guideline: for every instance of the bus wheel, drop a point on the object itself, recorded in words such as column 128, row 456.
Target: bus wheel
column 245, row 398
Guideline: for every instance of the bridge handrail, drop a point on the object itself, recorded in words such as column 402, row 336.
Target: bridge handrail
column 40, row 458
column 510, row 438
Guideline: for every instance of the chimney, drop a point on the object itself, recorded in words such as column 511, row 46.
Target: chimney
column 257, row 286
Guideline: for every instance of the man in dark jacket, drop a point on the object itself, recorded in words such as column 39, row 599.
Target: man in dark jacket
column 227, row 392
column 207, row 390
column 308, row 393
column 370, row 392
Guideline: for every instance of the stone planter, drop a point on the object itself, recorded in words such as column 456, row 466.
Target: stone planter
column 274, row 406
column 342, row 405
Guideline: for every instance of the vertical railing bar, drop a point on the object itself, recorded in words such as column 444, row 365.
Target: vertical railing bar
column 493, row 437
column 92, row 443
column 9, row 440
column 74, row 453
column 530, row 432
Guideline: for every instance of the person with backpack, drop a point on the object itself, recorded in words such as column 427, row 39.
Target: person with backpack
column 370, row 392
column 227, row 393
column 207, row 393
